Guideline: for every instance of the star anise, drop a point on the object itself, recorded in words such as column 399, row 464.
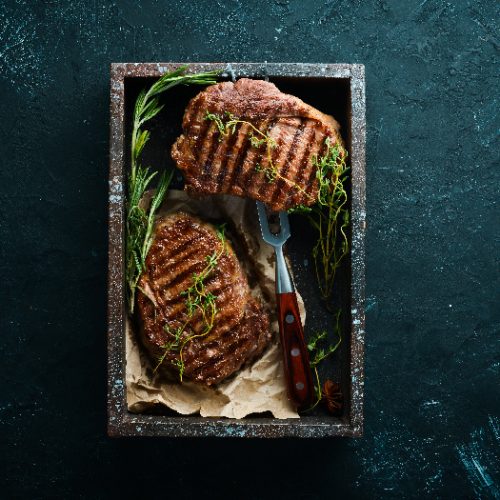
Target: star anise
column 332, row 397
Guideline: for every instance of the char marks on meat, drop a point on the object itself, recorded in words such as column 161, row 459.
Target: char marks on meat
column 240, row 330
column 214, row 163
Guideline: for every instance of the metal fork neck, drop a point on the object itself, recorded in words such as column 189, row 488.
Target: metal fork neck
column 283, row 281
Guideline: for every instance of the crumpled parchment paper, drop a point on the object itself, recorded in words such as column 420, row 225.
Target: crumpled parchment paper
column 257, row 388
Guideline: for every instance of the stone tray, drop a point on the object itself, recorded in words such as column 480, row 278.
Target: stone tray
column 337, row 89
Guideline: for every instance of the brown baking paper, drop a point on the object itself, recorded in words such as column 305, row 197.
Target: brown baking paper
column 257, row 388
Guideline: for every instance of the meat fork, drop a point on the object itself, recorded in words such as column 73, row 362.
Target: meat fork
column 295, row 356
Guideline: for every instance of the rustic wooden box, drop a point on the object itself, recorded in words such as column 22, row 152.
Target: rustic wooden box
column 338, row 89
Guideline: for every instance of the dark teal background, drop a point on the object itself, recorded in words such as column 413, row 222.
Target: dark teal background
column 432, row 356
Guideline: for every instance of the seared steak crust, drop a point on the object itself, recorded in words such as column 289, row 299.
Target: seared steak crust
column 240, row 331
column 230, row 164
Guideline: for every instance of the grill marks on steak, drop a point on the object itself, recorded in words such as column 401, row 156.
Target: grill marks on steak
column 225, row 354
column 212, row 165
column 241, row 328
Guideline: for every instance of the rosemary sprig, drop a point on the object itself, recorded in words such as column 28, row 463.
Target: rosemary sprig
column 198, row 299
column 140, row 220
column 139, row 226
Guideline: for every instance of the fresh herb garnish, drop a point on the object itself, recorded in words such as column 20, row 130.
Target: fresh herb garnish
column 198, row 299
column 329, row 216
column 140, row 220
column 319, row 350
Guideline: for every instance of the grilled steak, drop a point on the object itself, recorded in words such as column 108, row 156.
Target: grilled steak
column 205, row 343
column 282, row 176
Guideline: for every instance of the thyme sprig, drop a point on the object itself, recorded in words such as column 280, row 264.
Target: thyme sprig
column 173, row 345
column 197, row 296
column 198, row 299
column 329, row 216
column 318, row 352
column 139, row 219
column 226, row 125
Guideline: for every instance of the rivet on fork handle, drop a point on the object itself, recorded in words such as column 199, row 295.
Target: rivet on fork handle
column 295, row 355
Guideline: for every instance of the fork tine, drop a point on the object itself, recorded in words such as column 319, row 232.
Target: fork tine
column 267, row 235
column 284, row 226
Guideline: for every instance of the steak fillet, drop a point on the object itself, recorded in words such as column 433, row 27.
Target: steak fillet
column 181, row 249
column 229, row 163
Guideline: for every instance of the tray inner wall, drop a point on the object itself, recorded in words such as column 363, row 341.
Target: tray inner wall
column 331, row 96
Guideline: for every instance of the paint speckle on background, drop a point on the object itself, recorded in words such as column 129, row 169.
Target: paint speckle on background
column 20, row 58
column 396, row 456
column 480, row 458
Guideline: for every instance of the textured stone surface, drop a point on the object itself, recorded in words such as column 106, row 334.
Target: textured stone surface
column 432, row 411
column 338, row 85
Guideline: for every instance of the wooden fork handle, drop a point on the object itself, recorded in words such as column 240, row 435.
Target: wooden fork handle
column 295, row 356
